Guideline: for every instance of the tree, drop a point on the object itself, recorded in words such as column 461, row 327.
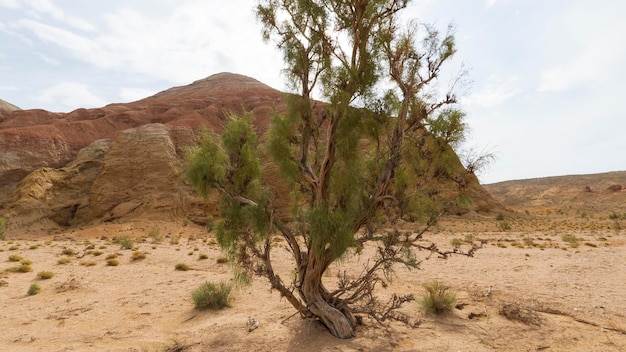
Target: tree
column 368, row 156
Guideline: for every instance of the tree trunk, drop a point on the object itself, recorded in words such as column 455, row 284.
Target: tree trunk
column 340, row 324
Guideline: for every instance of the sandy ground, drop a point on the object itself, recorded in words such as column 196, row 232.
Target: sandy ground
column 572, row 299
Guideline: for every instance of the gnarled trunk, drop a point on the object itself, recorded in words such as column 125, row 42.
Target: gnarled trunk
column 339, row 322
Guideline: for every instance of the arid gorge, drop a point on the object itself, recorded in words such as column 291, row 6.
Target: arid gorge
column 341, row 213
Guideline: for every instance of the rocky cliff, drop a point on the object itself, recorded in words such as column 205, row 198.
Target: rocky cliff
column 122, row 160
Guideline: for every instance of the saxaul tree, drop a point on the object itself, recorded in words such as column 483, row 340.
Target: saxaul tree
column 370, row 155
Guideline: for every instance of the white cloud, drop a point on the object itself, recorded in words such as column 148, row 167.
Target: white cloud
column 498, row 90
column 490, row 3
column 11, row 4
column 71, row 95
column 47, row 7
column 191, row 41
column 77, row 44
column 47, row 59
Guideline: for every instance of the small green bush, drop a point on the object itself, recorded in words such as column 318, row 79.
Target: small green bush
column 182, row 267
column 44, row 275
column 438, row 298
column 125, row 242
column 456, row 242
column 3, row 224
column 63, row 261
column 222, row 260
column 212, row 296
column 33, row 289
column 68, row 251
column 15, row 258
column 137, row 255
column 22, row 268
column 571, row 239
column 203, row 256
column 113, row 262
column 504, row 226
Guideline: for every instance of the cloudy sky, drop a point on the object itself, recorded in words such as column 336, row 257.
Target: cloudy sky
column 547, row 76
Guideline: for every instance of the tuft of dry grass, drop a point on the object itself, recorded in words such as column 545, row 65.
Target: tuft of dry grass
column 137, row 255
column 438, row 298
column 514, row 311
column 45, row 275
column 182, row 267
column 64, row 260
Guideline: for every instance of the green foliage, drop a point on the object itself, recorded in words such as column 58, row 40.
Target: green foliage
column 438, row 298
column 182, row 267
column 571, row 239
column 3, row 224
column 329, row 230
column 15, row 258
column 63, row 261
column 504, row 226
column 137, row 255
column 68, row 251
column 125, row 242
column 44, row 275
column 113, row 262
column 212, row 296
column 22, row 268
column 207, row 164
column 33, row 289
column 449, row 126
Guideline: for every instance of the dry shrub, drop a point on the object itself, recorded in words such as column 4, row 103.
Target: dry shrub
column 212, row 296
column 513, row 311
column 438, row 299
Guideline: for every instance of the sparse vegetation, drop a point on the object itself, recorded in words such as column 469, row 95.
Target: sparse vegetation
column 222, row 260
column 155, row 234
column 182, row 267
column 3, row 224
column 203, row 256
column 22, row 268
column 438, row 298
column 212, row 296
column 45, row 275
column 15, row 258
column 514, row 311
column 571, row 239
column 137, row 255
column 33, row 289
column 125, row 242
column 88, row 263
column 113, row 262
column 504, row 226
column 68, row 251
column 111, row 256
column 63, row 260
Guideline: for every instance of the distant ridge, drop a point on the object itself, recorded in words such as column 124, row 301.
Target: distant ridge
column 6, row 106
column 601, row 192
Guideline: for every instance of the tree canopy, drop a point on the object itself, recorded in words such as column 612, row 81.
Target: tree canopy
column 370, row 155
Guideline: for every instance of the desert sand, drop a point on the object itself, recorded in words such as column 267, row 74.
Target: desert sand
column 546, row 293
